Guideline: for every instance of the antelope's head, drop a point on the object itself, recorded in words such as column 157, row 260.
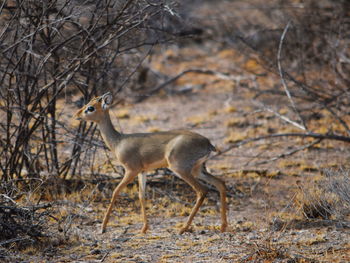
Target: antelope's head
column 95, row 109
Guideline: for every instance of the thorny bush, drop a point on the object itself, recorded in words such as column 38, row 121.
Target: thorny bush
column 53, row 49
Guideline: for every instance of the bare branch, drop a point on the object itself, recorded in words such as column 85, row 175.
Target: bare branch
column 289, row 153
column 280, row 135
column 284, row 118
column 282, row 76
column 235, row 78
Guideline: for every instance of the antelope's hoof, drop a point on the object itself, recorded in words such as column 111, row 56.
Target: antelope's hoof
column 183, row 230
column 223, row 228
column 144, row 229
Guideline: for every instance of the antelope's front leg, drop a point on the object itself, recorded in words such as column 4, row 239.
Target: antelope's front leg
column 129, row 176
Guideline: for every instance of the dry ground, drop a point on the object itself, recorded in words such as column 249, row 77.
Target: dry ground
column 265, row 201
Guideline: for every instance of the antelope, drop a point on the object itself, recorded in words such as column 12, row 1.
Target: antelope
column 182, row 151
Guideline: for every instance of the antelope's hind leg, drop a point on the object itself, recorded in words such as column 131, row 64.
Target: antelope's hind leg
column 204, row 175
column 142, row 192
column 200, row 190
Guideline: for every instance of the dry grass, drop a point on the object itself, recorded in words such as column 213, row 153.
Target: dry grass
column 326, row 197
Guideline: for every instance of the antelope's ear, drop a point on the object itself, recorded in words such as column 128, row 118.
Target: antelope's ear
column 107, row 100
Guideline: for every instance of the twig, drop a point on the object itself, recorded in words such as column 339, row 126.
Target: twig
column 276, row 135
column 303, row 127
column 315, row 97
column 199, row 71
column 12, row 240
column 283, row 155
column 284, row 118
column 104, row 256
column 8, row 198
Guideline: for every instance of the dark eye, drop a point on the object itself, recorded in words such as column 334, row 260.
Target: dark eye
column 90, row 109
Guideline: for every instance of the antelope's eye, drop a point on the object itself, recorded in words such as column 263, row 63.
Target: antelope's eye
column 90, row 109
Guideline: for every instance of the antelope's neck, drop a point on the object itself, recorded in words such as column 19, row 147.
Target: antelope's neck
column 109, row 134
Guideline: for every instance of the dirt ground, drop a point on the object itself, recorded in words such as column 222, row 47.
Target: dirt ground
column 266, row 223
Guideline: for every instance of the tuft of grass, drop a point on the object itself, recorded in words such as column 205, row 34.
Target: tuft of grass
column 197, row 120
column 213, row 113
column 322, row 199
column 116, row 255
column 337, row 182
column 246, row 226
column 168, row 256
column 237, row 123
column 153, row 129
column 317, row 239
column 122, row 114
column 227, row 54
column 288, row 164
column 234, row 137
column 308, row 168
column 177, row 209
column 254, row 173
column 230, row 109
column 268, row 251
column 283, row 111
column 273, row 174
column 253, row 65
column 317, row 208
column 142, row 119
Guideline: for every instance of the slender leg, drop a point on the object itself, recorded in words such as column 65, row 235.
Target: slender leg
column 201, row 191
column 128, row 177
column 220, row 185
column 142, row 191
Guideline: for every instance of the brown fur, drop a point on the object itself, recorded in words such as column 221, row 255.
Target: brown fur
column 182, row 151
